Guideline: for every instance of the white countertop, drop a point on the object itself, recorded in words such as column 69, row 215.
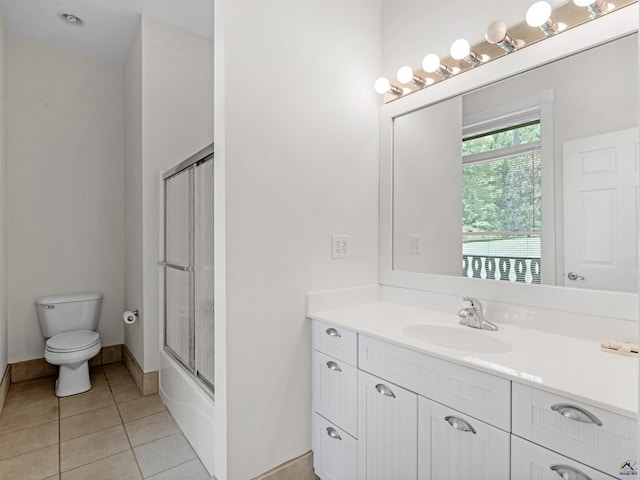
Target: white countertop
column 575, row 368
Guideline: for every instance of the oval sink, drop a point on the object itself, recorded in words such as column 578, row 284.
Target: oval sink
column 458, row 338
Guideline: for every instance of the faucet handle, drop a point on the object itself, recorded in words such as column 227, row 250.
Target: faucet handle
column 475, row 303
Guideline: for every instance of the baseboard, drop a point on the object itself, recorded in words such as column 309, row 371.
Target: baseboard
column 4, row 386
column 300, row 468
column 38, row 367
column 147, row 382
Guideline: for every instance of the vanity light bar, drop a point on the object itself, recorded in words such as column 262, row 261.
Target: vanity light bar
column 542, row 21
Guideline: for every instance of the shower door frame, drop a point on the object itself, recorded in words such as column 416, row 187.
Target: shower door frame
column 204, row 155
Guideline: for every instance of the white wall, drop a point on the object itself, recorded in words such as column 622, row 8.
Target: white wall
column 169, row 82
column 65, row 206
column 133, row 280
column 4, row 336
column 301, row 158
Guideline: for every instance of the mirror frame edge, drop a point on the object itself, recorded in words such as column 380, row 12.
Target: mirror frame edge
column 589, row 302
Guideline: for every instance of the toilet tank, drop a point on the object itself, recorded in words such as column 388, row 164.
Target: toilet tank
column 66, row 313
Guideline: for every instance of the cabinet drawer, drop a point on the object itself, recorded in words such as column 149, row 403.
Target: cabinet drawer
column 335, row 391
column 483, row 396
column 455, row 446
column 335, row 452
column 599, row 438
column 336, row 342
column 533, row 462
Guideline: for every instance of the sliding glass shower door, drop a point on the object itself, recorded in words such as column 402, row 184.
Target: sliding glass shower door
column 188, row 265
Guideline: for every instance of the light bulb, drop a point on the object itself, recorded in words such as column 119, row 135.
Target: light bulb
column 460, row 49
column 538, row 14
column 382, row 85
column 496, row 32
column 405, row 74
column 595, row 7
column 431, row 63
column 583, row 3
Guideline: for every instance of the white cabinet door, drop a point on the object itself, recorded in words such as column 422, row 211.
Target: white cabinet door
column 532, row 462
column 334, row 451
column 387, row 430
column 454, row 446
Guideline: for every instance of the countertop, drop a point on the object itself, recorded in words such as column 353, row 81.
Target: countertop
column 567, row 366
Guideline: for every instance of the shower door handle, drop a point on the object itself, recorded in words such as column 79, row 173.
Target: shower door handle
column 175, row 267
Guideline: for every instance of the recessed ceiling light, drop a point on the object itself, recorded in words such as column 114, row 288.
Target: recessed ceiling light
column 70, row 19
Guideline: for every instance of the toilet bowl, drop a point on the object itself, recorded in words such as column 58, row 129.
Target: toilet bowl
column 72, row 352
column 69, row 323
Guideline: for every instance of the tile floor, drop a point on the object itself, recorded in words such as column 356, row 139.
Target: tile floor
column 110, row 432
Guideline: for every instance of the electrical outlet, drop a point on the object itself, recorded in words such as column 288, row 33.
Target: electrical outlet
column 414, row 244
column 341, row 246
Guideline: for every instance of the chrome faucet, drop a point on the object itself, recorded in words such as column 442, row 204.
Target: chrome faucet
column 474, row 317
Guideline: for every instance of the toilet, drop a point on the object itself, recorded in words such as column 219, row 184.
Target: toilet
column 69, row 322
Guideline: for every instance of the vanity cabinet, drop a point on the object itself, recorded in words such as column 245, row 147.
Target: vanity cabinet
column 383, row 411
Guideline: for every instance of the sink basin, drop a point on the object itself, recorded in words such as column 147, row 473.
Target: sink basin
column 458, row 338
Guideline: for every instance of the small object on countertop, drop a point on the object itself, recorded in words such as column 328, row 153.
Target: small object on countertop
column 622, row 348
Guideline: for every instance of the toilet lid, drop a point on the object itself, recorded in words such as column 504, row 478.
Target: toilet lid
column 72, row 341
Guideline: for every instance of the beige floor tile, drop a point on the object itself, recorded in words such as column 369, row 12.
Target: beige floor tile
column 55, row 477
column 34, row 465
column 89, row 422
column 192, row 470
column 141, row 407
column 46, row 383
column 121, row 466
column 112, row 354
column 28, row 439
column 152, row 427
column 90, row 448
column 163, row 454
column 85, row 402
column 37, row 397
column 20, row 418
column 126, row 393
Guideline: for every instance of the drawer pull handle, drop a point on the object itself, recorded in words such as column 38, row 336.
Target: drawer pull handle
column 332, row 332
column 569, row 473
column 334, row 366
column 460, row 424
column 384, row 390
column 573, row 412
column 333, row 434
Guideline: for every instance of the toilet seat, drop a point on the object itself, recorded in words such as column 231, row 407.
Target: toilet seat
column 73, row 341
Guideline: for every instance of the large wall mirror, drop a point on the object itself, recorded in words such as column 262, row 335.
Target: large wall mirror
column 520, row 183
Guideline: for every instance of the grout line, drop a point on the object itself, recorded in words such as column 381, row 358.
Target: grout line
column 125, row 428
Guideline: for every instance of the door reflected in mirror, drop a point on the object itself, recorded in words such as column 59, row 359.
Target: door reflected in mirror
column 533, row 179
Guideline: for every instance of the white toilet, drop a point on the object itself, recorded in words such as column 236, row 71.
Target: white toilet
column 69, row 322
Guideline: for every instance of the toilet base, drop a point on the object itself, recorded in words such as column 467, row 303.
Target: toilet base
column 73, row 379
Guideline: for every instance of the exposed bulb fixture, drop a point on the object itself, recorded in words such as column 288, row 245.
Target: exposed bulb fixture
column 539, row 15
column 405, row 75
column 382, row 85
column 594, row 7
column 431, row 64
column 461, row 50
column 497, row 34
column 70, row 19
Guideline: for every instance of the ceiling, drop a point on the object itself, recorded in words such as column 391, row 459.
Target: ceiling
column 110, row 25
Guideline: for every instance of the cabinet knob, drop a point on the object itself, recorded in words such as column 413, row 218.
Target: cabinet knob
column 332, row 332
column 333, row 433
column 569, row 473
column 333, row 366
column 460, row 424
column 573, row 412
column 384, row 390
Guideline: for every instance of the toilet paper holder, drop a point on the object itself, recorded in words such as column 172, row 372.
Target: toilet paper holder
column 130, row 316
